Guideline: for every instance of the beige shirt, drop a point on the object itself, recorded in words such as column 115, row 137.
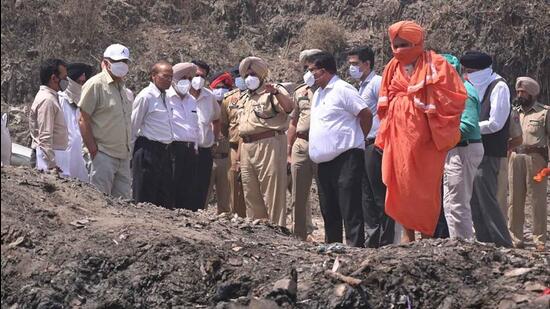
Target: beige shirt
column 535, row 122
column 47, row 124
column 234, row 108
column 515, row 126
column 262, row 112
column 222, row 146
column 302, row 107
column 107, row 103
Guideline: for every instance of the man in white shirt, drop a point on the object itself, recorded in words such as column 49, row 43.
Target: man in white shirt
column 340, row 119
column 379, row 227
column 489, row 222
column 152, row 136
column 208, row 112
column 78, row 74
column 186, row 133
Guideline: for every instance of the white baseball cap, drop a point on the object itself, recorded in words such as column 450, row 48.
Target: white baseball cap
column 117, row 52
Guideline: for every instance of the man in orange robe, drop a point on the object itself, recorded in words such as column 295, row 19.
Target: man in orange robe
column 420, row 103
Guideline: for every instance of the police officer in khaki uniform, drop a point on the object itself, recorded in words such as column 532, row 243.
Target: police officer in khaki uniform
column 262, row 127
column 219, row 178
column 234, row 108
column 514, row 140
column 526, row 161
column 302, row 168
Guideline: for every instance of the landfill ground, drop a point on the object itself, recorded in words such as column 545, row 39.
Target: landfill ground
column 65, row 245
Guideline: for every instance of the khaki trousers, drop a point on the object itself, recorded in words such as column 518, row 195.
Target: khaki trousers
column 523, row 167
column 458, row 180
column 111, row 175
column 220, row 178
column 263, row 172
column 502, row 190
column 236, row 189
column 302, row 170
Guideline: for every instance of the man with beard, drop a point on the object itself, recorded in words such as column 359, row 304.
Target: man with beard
column 526, row 161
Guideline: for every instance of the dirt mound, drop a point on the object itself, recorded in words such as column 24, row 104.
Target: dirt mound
column 64, row 244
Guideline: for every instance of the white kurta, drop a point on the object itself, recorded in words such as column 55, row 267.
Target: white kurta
column 75, row 160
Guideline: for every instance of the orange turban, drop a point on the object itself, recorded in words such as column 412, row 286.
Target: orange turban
column 407, row 30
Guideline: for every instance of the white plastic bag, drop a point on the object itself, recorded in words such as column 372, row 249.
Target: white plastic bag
column 6, row 141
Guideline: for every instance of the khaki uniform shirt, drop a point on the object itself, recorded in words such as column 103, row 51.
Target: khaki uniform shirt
column 262, row 112
column 47, row 124
column 302, row 107
column 110, row 109
column 535, row 122
column 515, row 126
column 234, row 108
column 222, row 146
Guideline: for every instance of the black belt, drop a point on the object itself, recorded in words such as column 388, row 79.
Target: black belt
column 234, row 146
column 142, row 141
column 369, row 141
column 303, row 135
column 185, row 144
column 220, row 155
column 467, row 142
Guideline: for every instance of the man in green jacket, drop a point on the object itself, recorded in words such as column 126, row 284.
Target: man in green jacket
column 461, row 165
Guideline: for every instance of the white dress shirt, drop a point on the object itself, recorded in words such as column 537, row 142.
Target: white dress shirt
column 184, row 116
column 369, row 92
column 500, row 104
column 208, row 110
column 335, row 127
column 75, row 156
column 152, row 116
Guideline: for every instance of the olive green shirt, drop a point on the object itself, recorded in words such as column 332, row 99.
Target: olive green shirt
column 110, row 110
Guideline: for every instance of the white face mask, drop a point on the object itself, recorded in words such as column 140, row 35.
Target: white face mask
column 309, row 79
column 119, row 69
column 183, row 86
column 219, row 93
column 239, row 82
column 252, row 82
column 197, row 82
column 355, row 72
column 480, row 77
column 63, row 84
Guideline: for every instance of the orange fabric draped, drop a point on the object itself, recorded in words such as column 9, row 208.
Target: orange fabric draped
column 419, row 123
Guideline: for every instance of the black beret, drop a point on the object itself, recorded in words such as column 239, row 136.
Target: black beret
column 75, row 70
column 476, row 60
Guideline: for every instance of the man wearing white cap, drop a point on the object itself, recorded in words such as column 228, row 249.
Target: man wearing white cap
column 527, row 161
column 105, row 123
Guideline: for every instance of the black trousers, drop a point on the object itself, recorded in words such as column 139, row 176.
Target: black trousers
column 340, row 197
column 203, row 173
column 152, row 172
column 489, row 222
column 379, row 227
column 441, row 229
column 184, row 168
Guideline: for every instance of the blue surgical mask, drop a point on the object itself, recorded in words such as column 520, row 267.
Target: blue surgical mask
column 239, row 82
column 219, row 93
column 355, row 72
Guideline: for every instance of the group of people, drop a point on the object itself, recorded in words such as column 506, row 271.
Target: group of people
column 431, row 139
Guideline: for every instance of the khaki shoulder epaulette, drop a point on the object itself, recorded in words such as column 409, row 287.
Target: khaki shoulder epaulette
column 230, row 93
